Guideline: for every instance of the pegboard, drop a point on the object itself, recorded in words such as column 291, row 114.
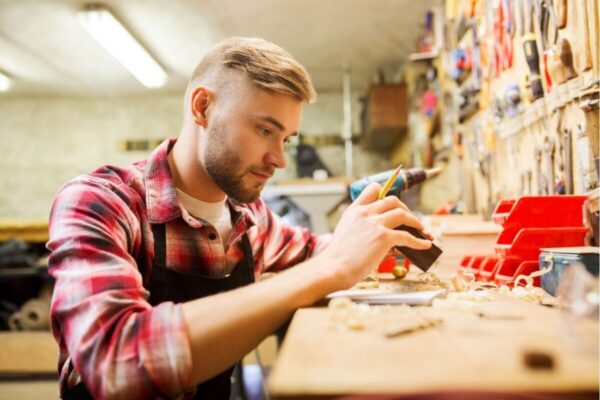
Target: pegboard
column 506, row 156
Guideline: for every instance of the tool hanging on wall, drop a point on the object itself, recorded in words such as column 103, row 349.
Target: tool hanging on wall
column 589, row 178
column 549, row 156
column 548, row 27
column 568, row 161
column 566, row 58
column 554, row 65
column 578, row 33
column 512, row 99
column 560, row 10
column 589, row 104
column 542, row 183
column 593, row 18
column 460, row 61
column 497, row 109
column 531, row 51
column 555, row 131
column 476, row 58
column 503, row 29
column 468, row 104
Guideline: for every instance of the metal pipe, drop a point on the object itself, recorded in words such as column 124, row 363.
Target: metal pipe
column 347, row 127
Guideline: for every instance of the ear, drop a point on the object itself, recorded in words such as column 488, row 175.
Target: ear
column 201, row 98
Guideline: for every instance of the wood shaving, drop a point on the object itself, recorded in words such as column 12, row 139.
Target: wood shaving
column 476, row 291
column 370, row 282
column 389, row 321
column 367, row 285
column 429, row 281
column 346, row 313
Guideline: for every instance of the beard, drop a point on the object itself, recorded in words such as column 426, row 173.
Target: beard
column 226, row 168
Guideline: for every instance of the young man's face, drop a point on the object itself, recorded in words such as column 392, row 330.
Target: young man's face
column 246, row 141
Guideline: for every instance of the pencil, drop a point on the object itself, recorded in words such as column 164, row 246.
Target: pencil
column 388, row 184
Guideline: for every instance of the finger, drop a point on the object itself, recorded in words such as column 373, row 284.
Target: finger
column 395, row 252
column 369, row 194
column 388, row 203
column 428, row 234
column 403, row 238
column 397, row 216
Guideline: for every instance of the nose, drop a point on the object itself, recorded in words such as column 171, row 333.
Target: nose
column 276, row 157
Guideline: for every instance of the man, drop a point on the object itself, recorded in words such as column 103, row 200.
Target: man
column 146, row 257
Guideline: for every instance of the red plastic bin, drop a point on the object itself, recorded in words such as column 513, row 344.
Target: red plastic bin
column 510, row 269
column 526, row 243
column 486, row 268
column 540, row 211
column 507, row 265
column 505, row 270
column 471, row 264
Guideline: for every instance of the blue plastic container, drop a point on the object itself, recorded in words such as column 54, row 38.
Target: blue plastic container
column 561, row 258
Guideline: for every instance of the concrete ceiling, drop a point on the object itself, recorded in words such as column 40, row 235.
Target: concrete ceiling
column 44, row 49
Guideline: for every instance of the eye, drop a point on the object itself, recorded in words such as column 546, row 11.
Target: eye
column 264, row 131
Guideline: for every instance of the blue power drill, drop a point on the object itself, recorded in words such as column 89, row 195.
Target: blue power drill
column 406, row 179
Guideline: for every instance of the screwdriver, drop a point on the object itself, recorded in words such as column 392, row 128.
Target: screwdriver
column 533, row 61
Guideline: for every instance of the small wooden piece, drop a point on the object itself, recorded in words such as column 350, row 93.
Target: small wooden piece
column 538, row 360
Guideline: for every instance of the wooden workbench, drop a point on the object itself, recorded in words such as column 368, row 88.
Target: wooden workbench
column 466, row 353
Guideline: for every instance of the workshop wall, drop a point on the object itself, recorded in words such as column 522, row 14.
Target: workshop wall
column 524, row 133
column 49, row 140
column 510, row 93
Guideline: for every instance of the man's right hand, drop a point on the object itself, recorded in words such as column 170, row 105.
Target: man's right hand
column 366, row 233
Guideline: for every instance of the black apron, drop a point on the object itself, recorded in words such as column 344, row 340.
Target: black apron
column 167, row 284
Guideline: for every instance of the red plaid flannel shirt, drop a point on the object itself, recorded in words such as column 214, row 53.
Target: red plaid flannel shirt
column 101, row 251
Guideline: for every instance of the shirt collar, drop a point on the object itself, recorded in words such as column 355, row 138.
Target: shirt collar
column 161, row 196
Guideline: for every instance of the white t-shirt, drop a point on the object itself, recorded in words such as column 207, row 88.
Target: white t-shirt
column 217, row 214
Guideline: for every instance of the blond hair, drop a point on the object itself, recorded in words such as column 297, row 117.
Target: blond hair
column 267, row 65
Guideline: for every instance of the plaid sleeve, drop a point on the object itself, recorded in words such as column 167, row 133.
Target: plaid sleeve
column 278, row 245
column 119, row 344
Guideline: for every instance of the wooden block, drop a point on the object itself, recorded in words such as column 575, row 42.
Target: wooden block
column 27, row 352
column 386, row 117
column 388, row 106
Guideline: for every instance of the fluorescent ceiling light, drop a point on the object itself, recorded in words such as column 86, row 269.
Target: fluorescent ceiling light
column 4, row 83
column 109, row 32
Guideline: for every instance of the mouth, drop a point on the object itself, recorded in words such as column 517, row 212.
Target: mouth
column 262, row 176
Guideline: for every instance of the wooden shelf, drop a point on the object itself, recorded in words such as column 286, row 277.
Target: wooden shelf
column 35, row 231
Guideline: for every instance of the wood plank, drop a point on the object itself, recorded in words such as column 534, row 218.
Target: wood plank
column 466, row 353
column 29, row 231
column 26, row 352
column 29, row 390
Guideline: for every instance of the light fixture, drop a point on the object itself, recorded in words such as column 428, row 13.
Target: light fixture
column 108, row 31
column 4, row 83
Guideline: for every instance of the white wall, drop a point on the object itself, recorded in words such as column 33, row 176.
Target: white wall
column 48, row 140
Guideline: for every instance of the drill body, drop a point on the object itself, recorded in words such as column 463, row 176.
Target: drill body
column 406, row 179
